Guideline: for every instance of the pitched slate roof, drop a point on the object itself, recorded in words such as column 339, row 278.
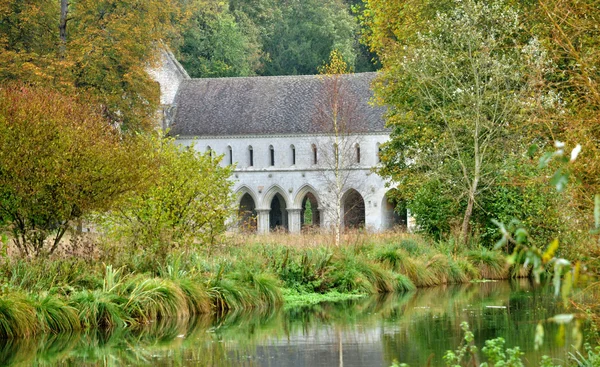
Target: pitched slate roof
column 268, row 105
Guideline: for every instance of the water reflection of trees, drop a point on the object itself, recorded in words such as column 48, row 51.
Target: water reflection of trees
column 408, row 327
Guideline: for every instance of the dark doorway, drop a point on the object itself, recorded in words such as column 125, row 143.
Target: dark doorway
column 278, row 214
column 247, row 214
column 354, row 209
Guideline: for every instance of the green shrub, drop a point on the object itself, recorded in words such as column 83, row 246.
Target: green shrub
column 187, row 204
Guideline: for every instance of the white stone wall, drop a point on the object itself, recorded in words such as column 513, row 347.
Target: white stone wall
column 169, row 74
column 263, row 181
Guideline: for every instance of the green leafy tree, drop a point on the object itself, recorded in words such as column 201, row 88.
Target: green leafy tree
column 59, row 161
column 215, row 45
column 309, row 31
column 187, row 204
column 456, row 92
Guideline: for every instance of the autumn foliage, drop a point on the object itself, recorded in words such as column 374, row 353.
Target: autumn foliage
column 59, row 160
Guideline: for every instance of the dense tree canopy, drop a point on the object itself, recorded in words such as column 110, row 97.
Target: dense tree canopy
column 271, row 37
column 462, row 82
column 100, row 47
column 215, row 44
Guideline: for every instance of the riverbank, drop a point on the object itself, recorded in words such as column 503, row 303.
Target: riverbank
column 374, row 331
column 135, row 289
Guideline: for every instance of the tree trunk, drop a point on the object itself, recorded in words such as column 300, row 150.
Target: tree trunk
column 62, row 25
column 464, row 234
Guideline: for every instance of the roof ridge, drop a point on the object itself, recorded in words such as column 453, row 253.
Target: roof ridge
column 302, row 76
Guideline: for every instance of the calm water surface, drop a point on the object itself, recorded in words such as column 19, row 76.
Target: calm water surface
column 411, row 328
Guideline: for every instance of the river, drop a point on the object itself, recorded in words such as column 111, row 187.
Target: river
column 413, row 328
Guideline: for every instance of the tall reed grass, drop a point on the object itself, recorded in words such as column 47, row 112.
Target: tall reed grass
column 71, row 294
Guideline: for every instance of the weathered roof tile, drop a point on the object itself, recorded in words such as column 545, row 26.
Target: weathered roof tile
column 268, row 105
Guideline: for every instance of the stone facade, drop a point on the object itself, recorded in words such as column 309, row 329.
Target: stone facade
column 265, row 127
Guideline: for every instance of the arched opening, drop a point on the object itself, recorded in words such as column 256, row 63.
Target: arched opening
column 393, row 211
column 309, row 214
column 278, row 214
column 353, row 209
column 272, row 155
column 209, row 151
column 247, row 214
column 314, row 151
column 357, row 149
column 250, row 156
column 230, row 153
column 293, row 148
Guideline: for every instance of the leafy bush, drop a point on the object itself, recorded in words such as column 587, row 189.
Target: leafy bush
column 59, row 160
column 188, row 204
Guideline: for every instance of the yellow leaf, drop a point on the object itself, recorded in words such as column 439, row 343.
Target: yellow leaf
column 549, row 254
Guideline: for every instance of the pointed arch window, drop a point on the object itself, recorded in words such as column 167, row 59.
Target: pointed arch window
column 357, row 148
column 209, row 151
column 250, row 156
column 293, row 148
column 314, row 152
column 230, row 153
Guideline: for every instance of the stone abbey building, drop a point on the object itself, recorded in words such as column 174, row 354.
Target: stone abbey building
column 278, row 132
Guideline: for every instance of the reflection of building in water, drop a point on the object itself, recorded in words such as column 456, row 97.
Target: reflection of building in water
column 268, row 128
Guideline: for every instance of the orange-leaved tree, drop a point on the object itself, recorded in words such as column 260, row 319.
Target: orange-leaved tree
column 60, row 160
column 99, row 47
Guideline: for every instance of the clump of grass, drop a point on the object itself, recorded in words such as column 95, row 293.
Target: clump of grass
column 403, row 284
column 55, row 315
column 456, row 273
column 151, row 299
column 226, row 295
column 439, row 268
column 470, row 271
column 99, row 309
column 346, row 276
column 491, row 264
column 382, row 280
column 390, row 256
column 17, row 316
column 399, row 260
column 267, row 288
column 197, row 298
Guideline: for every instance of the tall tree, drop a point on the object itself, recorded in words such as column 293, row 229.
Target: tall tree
column 100, row 47
column 455, row 90
column 339, row 117
column 569, row 31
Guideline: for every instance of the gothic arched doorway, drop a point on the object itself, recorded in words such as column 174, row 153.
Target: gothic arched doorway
column 309, row 214
column 353, row 209
column 278, row 214
column 393, row 211
column 247, row 214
